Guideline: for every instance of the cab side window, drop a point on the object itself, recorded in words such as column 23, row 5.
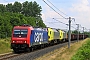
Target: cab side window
column 50, row 32
column 61, row 33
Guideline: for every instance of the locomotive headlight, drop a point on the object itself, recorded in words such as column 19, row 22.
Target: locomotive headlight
column 13, row 41
column 25, row 42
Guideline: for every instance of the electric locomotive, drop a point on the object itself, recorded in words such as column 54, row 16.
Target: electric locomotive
column 56, row 35
column 25, row 37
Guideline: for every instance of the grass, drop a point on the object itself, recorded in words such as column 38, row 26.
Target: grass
column 5, row 45
column 83, row 52
column 63, row 53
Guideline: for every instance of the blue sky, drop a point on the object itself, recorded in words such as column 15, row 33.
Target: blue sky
column 78, row 9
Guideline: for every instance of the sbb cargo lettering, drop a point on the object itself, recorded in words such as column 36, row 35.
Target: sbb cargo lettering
column 38, row 37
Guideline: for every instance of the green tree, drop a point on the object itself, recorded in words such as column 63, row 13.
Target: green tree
column 2, row 8
column 9, row 7
column 36, row 10
column 31, row 9
column 25, row 8
column 75, row 32
column 87, row 33
column 17, row 7
column 17, row 14
column 5, row 26
column 14, row 21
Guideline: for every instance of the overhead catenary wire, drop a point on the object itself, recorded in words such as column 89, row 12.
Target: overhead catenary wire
column 63, row 23
column 51, row 22
column 57, row 8
column 59, row 21
column 54, row 9
column 58, row 12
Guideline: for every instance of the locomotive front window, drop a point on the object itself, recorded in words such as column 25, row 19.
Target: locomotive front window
column 20, row 33
column 23, row 31
column 16, row 31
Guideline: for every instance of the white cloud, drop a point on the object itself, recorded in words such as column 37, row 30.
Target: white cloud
column 81, row 12
column 81, row 6
column 49, row 13
column 47, row 16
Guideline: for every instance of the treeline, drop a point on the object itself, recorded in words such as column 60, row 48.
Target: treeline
column 25, row 8
column 18, row 14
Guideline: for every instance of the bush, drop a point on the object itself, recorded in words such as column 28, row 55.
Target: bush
column 83, row 52
column 5, row 45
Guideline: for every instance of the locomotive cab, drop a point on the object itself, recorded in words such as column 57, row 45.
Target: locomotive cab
column 20, row 37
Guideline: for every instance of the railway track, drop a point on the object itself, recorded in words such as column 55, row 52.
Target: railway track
column 31, row 55
column 37, row 53
column 7, row 56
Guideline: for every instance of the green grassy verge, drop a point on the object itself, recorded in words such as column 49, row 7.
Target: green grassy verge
column 5, row 45
column 64, row 53
column 83, row 52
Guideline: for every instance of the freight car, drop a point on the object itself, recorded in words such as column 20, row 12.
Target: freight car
column 75, row 36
